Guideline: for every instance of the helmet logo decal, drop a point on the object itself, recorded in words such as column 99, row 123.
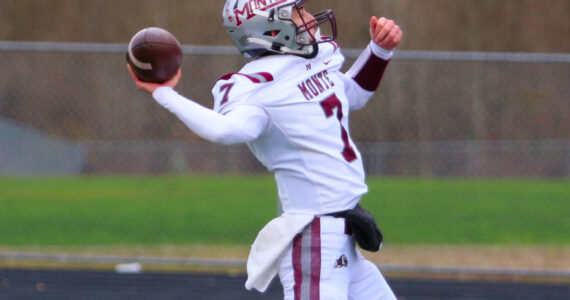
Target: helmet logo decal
column 247, row 11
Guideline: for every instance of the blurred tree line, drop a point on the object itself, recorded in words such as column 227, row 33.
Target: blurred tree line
column 464, row 25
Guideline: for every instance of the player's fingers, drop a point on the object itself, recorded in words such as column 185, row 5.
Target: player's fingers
column 373, row 22
column 131, row 72
column 382, row 21
column 391, row 34
column 172, row 82
column 393, row 39
column 133, row 76
column 398, row 38
column 141, row 85
column 383, row 31
column 137, row 81
column 382, row 26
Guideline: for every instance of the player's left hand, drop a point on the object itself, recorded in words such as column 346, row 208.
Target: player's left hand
column 385, row 33
column 150, row 87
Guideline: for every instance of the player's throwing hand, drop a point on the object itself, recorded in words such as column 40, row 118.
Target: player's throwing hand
column 150, row 87
column 385, row 33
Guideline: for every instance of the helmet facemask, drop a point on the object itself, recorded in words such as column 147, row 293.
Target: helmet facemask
column 306, row 36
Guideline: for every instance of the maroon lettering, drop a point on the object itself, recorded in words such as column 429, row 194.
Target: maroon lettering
column 248, row 10
column 245, row 12
column 325, row 74
column 318, row 83
column 320, row 76
column 315, row 85
column 305, row 92
column 312, row 87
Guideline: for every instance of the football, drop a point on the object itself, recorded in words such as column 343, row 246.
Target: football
column 154, row 54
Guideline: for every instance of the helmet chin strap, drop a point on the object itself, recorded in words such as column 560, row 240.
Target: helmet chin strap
column 307, row 51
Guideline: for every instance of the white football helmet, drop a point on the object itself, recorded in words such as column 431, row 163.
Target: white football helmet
column 259, row 27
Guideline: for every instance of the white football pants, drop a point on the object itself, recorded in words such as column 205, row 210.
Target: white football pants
column 322, row 263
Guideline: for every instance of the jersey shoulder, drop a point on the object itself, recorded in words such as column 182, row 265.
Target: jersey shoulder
column 238, row 88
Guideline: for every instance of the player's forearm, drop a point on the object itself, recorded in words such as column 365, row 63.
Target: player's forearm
column 369, row 68
column 208, row 124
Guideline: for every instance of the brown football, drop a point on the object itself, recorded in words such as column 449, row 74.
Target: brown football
column 154, row 55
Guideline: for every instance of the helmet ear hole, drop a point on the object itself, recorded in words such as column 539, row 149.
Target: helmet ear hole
column 272, row 33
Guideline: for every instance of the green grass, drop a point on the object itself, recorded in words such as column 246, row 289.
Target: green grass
column 487, row 212
column 231, row 209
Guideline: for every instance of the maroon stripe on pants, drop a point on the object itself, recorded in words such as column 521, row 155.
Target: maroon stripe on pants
column 297, row 267
column 315, row 258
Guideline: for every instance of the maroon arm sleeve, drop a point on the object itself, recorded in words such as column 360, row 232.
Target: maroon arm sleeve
column 368, row 70
column 370, row 76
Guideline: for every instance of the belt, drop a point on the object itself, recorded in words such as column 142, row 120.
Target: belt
column 338, row 214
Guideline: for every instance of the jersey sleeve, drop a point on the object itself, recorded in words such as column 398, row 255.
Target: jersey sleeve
column 365, row 75
column 243, row 124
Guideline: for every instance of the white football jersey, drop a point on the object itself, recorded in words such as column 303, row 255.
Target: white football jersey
column 307, row 143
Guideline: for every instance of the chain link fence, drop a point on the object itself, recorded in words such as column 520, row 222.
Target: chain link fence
column 70, row 108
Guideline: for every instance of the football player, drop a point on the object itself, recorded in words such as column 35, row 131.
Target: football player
column 291, row 104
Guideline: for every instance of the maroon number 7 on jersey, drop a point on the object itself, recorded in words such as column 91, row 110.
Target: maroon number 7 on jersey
column 227, row 87
column 328, row 105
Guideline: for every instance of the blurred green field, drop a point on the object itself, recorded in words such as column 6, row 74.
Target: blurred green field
column 230, row 210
